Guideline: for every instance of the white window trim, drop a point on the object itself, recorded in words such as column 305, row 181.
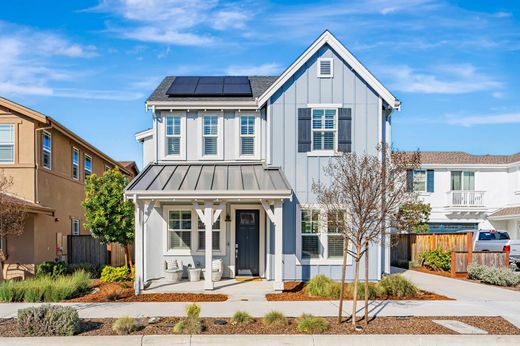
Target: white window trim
column 13, row 129
column 222, row 236
column 220, row 135
column 76, row 150
column 50, row 150
column 257, row 136
column 318, row 72
column 85, row 166
column 323, row 237
column 74, row 222
column 425, row 181
column 462, row 180
column 333, row 152
column 163, row 143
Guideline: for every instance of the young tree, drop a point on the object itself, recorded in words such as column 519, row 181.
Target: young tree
column 414, row 217
column 362, row 200
column 109, row 217
column 12, row 214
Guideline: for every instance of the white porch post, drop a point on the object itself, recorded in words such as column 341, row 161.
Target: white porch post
column 138, row 242
column 208, row 216
column 278, row 246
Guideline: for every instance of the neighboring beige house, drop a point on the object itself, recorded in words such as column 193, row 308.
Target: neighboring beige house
column 48, row 164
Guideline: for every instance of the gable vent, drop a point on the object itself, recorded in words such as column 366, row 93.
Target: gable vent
column 325, row 67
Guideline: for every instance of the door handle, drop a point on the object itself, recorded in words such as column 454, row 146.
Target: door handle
column 236, row 250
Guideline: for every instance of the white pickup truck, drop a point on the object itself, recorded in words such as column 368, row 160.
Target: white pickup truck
column 493, row 240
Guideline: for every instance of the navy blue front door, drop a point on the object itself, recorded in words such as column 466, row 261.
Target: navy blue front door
column 247, row 242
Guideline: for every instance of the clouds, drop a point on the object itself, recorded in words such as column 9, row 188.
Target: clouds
column 251, row 70
column 491, row 119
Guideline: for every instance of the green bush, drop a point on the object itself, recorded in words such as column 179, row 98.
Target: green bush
column 436, row 260
column 45, row 288
column 373, row 290
column 48, row 320
column 323, row 286
column 241, row 317
column 310, row 324
column 115, row 274
column 93, row 270
column 398, row 286
column 126, row 325
column 275, row 318
column 52, row 269
column 192, row 324
column 493, row 276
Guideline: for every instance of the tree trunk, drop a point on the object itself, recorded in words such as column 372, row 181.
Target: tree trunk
column 343, row 274
column 128, row 256
column 356, row 282
column 366, row 285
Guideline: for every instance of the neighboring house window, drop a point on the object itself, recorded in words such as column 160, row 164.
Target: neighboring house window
column 47, row 150
column 325, row 67
column 6, row 143
column 88, row 166
column 173, row 135
column 324, row 129
column 462, row 181
column 335, row 239
column 75, row 163
column 202, row 235
column 75, row 227
column 179, row 229
column 210, row 135
column 247, row 134
column 419, row 181
column 310, row 233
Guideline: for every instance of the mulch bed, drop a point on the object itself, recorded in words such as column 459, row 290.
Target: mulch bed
column 294, row 291
column 428, row 271
column 377, row 325
column 124, row 292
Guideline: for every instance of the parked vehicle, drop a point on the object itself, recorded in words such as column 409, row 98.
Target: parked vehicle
column 493, row 240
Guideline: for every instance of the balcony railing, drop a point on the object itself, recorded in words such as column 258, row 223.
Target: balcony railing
column 466, row 198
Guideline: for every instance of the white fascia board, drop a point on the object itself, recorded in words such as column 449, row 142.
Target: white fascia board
column 468, row 166
column 167, row 105
column 344, row 53
column 215, row 195
column 141, row 136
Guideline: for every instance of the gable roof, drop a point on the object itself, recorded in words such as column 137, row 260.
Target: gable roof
column 345, row 54
column 462, row 158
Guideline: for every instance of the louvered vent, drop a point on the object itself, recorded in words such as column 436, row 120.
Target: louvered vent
column 325, row 68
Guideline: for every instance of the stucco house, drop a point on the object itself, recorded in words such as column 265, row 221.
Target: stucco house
column 469, row 191
column 231, row 161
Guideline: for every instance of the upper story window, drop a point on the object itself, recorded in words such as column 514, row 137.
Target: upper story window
column 47, row 150
column 210, row 135
column 462, row 181
column 173, row 135
column 88, row 166
column 419, row 180
column 324, row 129
column 75, row 163
column 247, row 135
column 325, row 67
column 6, row 143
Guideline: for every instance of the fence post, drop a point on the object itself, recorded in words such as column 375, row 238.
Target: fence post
column 434, row 241
column 507, row 259
column 469, row 240
column 453, row 267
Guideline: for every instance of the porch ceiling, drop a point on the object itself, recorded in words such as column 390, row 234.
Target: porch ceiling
column 210, row 181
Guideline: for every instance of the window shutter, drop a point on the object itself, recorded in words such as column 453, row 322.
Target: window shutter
column 304, row 130
column 345, row 130
column 429, row 180
column 409, row 180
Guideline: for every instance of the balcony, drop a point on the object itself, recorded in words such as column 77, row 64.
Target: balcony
column 469, row 199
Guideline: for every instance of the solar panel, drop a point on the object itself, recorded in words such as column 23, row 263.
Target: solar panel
column 181, row 89
column 186, row 80
column 209, row 89
column 211, row 80
column 210, row 86
column 237, row 89
column 236, row 80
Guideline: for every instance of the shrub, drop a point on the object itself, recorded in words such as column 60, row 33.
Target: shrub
column 115, row 274
column 310, row 324
column 275, row 318
column 323, row 286
column 93, row 270
column 52, row 269
column 126, row 325
column 48, row 320
column 114, row 294
column 373, row 290
column 241, row 317
column 398, row 286
column 45, row 288
column 192, row 323
column 493, row 276
column 437, row 260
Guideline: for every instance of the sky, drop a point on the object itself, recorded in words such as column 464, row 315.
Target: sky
column 91, row 64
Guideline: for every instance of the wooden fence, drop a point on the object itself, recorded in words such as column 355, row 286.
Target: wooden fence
column 460, row 260
column 87, row 249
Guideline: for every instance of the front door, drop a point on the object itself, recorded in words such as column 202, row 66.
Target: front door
column 247, row 242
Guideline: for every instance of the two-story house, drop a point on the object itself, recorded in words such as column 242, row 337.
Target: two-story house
column 231, row 162
column 48, row 165
column 470, row 191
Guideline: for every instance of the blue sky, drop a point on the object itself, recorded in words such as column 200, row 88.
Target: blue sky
column 91, row 63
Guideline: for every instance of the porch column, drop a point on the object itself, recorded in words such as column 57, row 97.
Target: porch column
column 278, row 246
column 208, row 216
column 138, row 245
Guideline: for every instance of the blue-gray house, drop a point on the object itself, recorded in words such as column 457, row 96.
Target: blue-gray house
column 231, row 161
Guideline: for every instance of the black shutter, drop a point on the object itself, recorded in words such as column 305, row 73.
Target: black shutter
column 304, row 130
column 345, row 130
column 430, row 180
column 409, row 180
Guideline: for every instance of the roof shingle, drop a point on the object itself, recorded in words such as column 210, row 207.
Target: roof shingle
column 459, row 157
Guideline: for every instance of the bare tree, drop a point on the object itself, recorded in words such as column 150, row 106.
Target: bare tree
column 12, row 214
column 362, row 200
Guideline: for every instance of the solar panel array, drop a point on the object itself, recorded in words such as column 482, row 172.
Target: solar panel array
column 210, row 86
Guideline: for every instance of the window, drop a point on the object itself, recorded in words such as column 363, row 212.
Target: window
column 335, row 239
column 247, row 134
column 419, row 180
column 88, row 166
column 324, row 129
column 325, row 67
column 173, row 135
column 462, row 181
column 75, row 227
column 75, row 163
column 179, row 229
column 47, row 150
column 210, row 135
column 6, row 143
column 310, row 233
column 202, row 235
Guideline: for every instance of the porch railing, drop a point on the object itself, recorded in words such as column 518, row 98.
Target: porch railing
column 466, row 198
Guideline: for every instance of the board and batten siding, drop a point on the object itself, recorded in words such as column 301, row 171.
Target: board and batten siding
column 304, row 88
